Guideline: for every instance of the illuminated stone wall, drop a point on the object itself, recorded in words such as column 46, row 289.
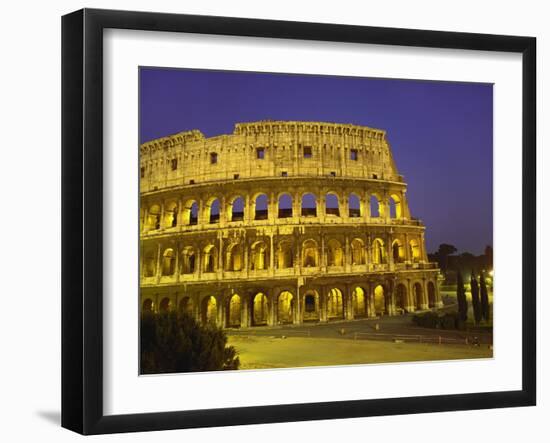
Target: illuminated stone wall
column 280, row 222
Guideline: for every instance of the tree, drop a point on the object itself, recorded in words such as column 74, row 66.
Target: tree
column 177, row 343
column 475, row 298
column 443, row 253
column 484, row 297
column 461, row 297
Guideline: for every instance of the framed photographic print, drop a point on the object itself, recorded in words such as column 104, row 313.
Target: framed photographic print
column 270, row 221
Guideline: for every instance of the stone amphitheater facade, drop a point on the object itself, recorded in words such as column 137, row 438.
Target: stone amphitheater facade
column 279, row 222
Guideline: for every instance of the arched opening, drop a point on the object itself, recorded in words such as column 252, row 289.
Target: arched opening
column 147, row 306
column 379, row 300
column 335, row 254
column 354, row 204
column 309, row 205
column 431, row 295
column 236, row 210
column 311, row 306
column 190, row 212
column 260, row 207
column 149, row 264
column 418, row 296
column 415, row 250
column 259, row 259
column 259, row 309
column 397, row 251
column 285, row 206
column 359, row 301
column 401, row 297
column 395, row 206
column 209, row 310
column 335, row 304
column 210, row 259
column 186, row 306
column 285, row 307
column 154, row 217
column 165, row 305
column 332, row 206
column 285, row 255
column 168, row 262
column 213, row 210
column 310, row 254
column 234, row 311
column 378, row 253
column 188, row 258
column 235, row 257
column 375, row 207
column 171, row 215
column 357, row 252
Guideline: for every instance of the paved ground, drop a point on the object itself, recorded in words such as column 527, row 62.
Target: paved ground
column 389, row 329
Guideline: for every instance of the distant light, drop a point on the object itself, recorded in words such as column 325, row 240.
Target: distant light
column 491, row 273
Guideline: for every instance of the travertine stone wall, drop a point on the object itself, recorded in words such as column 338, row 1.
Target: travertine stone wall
column 296, row 221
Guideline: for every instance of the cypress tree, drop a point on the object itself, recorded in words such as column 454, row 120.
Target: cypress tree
column 484, row 297
column 461, row 297
column 475, row 298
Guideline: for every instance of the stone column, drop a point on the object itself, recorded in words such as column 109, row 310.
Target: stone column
column 348, row 303
column 271, row 315
column 222, row 311
column 271, row 256
column 177, row 250
column 159, row 266
column 370, row 300
column 347, row 257
column 323, row 317
column 245, row 310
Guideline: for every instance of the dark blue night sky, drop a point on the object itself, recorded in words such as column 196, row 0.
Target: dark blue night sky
column 441, row 133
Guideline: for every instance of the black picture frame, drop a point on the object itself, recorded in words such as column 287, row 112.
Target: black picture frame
column 82, row 218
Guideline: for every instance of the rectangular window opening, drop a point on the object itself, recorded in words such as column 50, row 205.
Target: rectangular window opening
column 174, row 164
column 213, row 158
column 308, row 153
column 284, row 174
column 354, row 155
column 260, row 153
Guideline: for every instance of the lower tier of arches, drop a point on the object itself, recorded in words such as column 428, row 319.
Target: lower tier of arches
column 273, row 303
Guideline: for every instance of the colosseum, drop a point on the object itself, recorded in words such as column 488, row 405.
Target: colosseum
column 280, row 222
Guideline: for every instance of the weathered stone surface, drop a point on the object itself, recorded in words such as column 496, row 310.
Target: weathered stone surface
column 280, row 222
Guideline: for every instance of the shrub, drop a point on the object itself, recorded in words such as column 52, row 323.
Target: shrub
column 177, row 343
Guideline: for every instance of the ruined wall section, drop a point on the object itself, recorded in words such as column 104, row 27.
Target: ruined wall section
column 267, row 149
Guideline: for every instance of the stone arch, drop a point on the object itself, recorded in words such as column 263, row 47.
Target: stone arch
column 186, row 306
column 332, row 205
column 335, row 254
column 190, row 213
column 378, row 251
column 154, row 217
column 209, row 310
column 165, row 305
column 210, row 259
column 401, row 297
column 311, row 306
column 285, row 307
column 380, row 302
column 310, row 254
column 235, row 209
column 235, row 257
column 260, row 309
column 357, row 252
column 360, row 302
column 355, row 206
column 431, row 295
column 284, row 205
column 396, row 208
column 171, row 214
column 149, row 263
column 188, row 260
column 376, row 206
column 168, row 262
column 335, row 304
column 260, row 207
column 309, row 205
column 259, row 256
column 418, row 296
column 148, row 306
column 233, row 310
column 285, row 255
column 414, row 248
column 213, row 210
column 398, row 251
